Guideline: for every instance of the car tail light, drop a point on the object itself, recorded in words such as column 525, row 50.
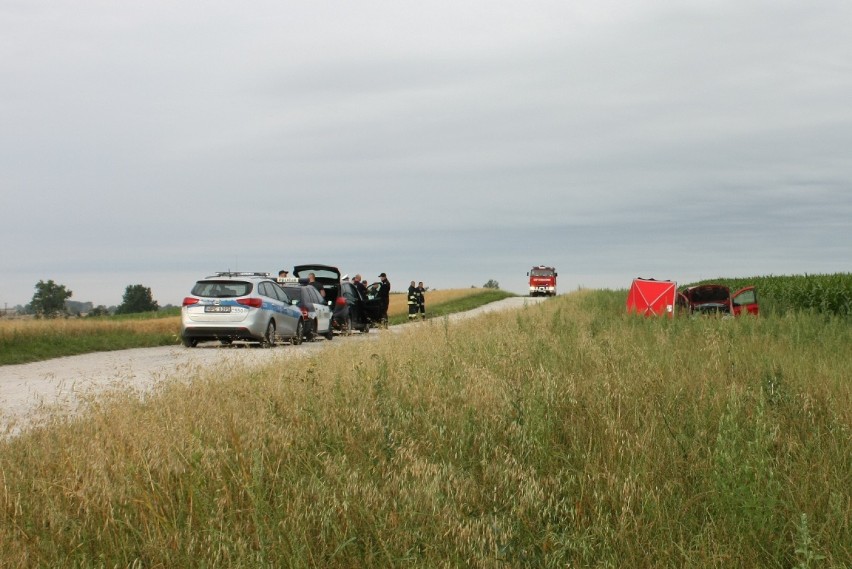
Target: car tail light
column 253, row 302
column 189, row 301
column 341, row 301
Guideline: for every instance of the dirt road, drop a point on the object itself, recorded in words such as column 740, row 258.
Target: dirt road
column 58, row 385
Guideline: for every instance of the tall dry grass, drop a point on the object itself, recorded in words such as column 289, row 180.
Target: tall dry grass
column 28, row 340
column 566, row 434
column 84, row 326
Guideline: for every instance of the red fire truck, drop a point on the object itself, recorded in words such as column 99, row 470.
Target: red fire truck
column 542, row 281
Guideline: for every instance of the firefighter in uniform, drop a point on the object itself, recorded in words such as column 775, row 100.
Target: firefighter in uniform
column 421, row 300
column 413, row 301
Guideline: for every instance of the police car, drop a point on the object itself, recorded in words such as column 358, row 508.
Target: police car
column 231, row 306
column 316, row 310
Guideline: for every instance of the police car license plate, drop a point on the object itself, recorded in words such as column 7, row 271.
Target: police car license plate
column 217, row 309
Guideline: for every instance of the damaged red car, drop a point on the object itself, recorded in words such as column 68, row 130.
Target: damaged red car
column 716, row 299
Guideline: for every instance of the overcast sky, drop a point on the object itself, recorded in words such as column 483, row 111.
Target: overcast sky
column 451, row 142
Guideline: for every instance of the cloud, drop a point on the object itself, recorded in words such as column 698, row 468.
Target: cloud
column 457, row 142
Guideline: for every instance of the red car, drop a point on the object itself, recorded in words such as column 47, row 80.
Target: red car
column 717, row 299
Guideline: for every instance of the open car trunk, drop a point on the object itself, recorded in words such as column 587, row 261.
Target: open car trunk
column 327, row 276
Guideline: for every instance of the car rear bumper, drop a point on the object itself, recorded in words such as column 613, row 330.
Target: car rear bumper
column 219, row 332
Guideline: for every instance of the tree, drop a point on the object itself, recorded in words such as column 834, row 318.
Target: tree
column 99, row 310
column 137, row 298
column 49, row 299
column 491, row 284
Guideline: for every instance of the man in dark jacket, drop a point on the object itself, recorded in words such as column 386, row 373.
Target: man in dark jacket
column 359, row 284
column 384, row 295
column 413, row 301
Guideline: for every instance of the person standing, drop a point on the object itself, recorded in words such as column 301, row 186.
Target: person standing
column 384, row 296
column 413, row 301
column 359, row 284
column 421, row 297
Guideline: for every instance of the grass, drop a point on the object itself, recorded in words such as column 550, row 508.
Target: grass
column 161, row 313
column 443, row 302
column 29, row 340
column 564, row 434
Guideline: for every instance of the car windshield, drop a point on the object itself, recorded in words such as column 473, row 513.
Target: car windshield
column 221, row 289
column 373, row 290
column 541, row 273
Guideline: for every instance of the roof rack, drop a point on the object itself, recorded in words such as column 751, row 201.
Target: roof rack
column 241, row 274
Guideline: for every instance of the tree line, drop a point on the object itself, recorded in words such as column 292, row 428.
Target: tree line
column 51, row 300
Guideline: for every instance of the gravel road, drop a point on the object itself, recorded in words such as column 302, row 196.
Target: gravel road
column 58, row 385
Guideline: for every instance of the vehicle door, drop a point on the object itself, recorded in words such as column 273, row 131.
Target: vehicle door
column 286, row 316
column 323, row 312
column 373, row 307
column 353, row 306
column 682, row 306
column 745, row 299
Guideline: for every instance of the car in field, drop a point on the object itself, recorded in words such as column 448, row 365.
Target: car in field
column 239, row 306
column 316, row 310
column 716, row 299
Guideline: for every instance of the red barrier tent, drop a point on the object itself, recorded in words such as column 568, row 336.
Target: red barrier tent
column 651, row 297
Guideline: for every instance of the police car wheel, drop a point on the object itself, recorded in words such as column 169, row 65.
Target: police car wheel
column 268, row 339
column 311, row 331
column 300, row 330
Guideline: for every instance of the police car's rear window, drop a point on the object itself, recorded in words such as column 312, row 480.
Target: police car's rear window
column 221, row 289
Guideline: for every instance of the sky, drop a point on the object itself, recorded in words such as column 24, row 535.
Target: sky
column 451, row 142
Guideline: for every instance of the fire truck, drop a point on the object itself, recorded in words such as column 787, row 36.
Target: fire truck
column 542, row 281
